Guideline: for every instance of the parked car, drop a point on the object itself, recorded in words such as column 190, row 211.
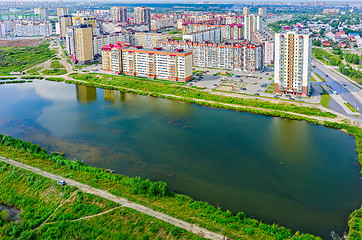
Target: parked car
column 237, row 75
column 61, row 182
column 244, row 89
column 257, row 94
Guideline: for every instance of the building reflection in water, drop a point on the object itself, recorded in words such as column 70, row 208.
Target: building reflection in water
column 86, row 94
column 114, row 96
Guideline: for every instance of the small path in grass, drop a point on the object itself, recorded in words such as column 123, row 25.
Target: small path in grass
column 122, row 201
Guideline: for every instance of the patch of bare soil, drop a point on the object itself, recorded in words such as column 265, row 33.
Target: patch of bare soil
column 21, row 42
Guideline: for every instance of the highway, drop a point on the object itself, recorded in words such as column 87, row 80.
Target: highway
column 347, row 90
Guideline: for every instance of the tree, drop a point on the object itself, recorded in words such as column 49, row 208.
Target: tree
column 317, row 42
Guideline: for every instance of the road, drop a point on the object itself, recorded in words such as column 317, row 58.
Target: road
column 347, row 90
column 122, row 201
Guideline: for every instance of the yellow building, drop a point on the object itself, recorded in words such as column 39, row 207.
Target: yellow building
column 112, row 58
column 84, row 20
column 84, row 43
column 148, row 40
column 65, row 21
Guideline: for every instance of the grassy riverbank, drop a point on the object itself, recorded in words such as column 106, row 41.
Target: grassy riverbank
column 170, row 90
column 15, row 59
column 50, row 211
column 155, row 195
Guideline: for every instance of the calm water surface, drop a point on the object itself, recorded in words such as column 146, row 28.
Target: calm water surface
column 300, row 175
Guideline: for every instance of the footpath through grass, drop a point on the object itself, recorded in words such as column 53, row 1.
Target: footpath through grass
column 155, row 195
column 169, row 89
column 16, row 59
column 51, row 211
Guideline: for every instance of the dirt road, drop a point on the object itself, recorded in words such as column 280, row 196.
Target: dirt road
column 124, row 202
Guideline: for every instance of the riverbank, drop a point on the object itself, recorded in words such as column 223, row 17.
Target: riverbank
column 51, row 211
column 144, row 192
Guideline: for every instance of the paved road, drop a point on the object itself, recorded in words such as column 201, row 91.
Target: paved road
column 348, row 91
column 122, row 201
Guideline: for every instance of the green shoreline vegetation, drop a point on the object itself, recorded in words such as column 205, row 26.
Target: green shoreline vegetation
column 171, row 91
column 155, row 195
column 50, row 211
column 16, row 59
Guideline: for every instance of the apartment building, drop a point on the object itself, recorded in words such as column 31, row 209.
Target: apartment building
column 268, row 41
column 148, row 39
column 292, row 63
column 108, row 39
column 230, row 31
column 64, row 22
column 243, row 56
column 62, row 12
column 246, row 11
column 81, row 20
column 174, row 65
column 142, row 15
column 252, row 23
column 112, row 57
column 262, row 12
column 211, row 35
column 118, row 14
column 79, row 42
column 43, row 12
column 32, row 29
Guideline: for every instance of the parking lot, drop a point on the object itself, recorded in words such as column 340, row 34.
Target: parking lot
column 256, row 83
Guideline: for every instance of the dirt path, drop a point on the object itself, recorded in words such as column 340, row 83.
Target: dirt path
column 122, row 201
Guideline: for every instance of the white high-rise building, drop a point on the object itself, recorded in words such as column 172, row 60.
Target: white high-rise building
column 252, row 23
column 262, row 12
column 292, row 63
column 118, row 14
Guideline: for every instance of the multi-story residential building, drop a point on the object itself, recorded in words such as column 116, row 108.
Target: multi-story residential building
column 65, row 21
column 262, row 12
column 330, row 11
column 81, row 20
column 147, row 40
column 79, row 43
column 252, row 23
column 244, row 56
column 112, row 57
column 32, row 29
column 142, row 15
column 246, row 11
column 100, row 41
column 62, row 12
column 292, row 63
column 118, row 14
column 43, row 12
column 174, row 65
column 230, row 31
column 268, row 41
column 211, row 35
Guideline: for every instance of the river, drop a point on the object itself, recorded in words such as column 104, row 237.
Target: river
column 303, row 176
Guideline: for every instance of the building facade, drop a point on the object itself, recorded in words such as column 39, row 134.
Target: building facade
column 79, row 42
column 32, row 29
column 292, row 69
column 244, row 56
column 174, row 65
column 43, row 12
column 142, row 15
column 252, row 23
column 62, row 11
column 65, row 21
column 118, row 14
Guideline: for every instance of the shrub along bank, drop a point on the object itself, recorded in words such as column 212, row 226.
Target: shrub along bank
column 156, row 195
column 47, row 208
column 148, row 87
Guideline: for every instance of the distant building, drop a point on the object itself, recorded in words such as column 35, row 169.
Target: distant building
column 246, row 11
column 33, row 29
column 330, row 11
column 118, row 14
column 148, row 40
column 43, row 12
column 244, row 56
column 142, row 15
column 292, row 68
column 65, row 21
column 252, row 23
column 62, row 12
column 262, row 12
column 157, row 63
